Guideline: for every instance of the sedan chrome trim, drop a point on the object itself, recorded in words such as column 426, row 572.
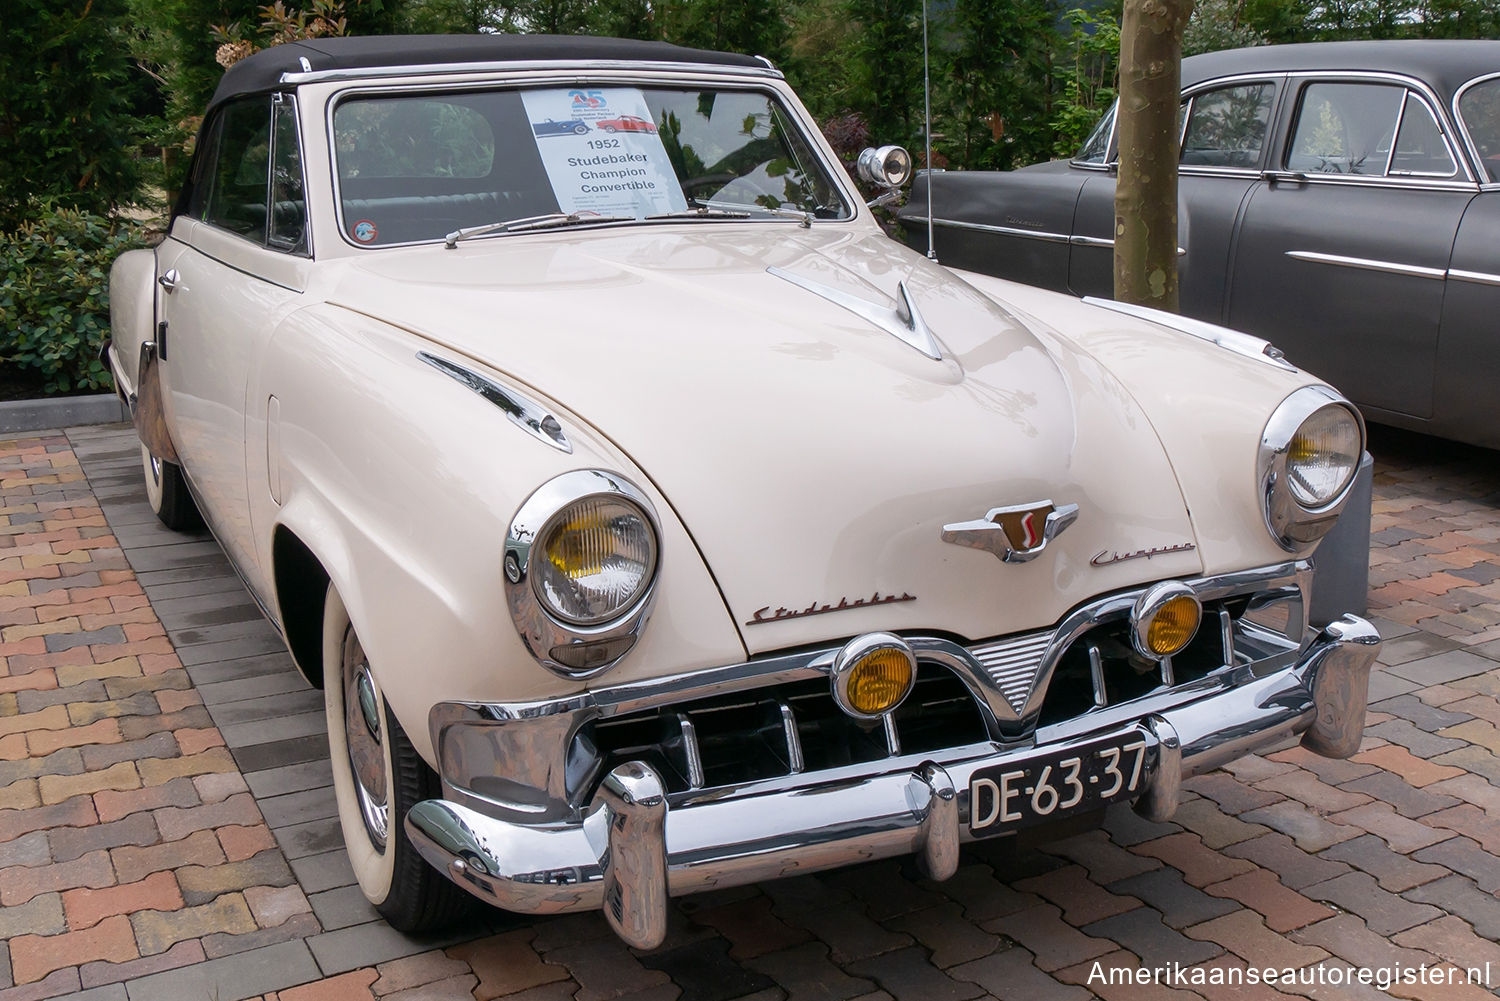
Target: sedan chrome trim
column 903, row 322
column 522, row 412
column 1478, row 277
column 1366, row 264
column 1230, row 340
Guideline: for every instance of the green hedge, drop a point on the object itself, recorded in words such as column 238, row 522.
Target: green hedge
column 54, row 296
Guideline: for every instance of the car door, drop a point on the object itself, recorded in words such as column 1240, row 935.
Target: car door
column 234, row 263
column 1342, row 256
column 1226, row 124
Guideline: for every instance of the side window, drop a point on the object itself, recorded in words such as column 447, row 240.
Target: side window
column 1227, row 127
column 238, row 172
column 1480, row 107
column 288, row 204
column 1420, row 149
column 1345, row 128
column 1096, row 147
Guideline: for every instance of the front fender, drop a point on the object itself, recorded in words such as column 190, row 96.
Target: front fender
column 403, row 482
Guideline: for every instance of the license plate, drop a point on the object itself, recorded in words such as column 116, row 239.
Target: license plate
column 1006, row 797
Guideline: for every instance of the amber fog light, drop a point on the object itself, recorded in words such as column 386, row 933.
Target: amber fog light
column 872, row 674
column 1164, row 620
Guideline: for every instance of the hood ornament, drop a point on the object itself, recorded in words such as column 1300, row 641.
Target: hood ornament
column 1016, row 534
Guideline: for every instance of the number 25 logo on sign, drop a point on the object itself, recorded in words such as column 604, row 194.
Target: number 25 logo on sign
column 587, row 98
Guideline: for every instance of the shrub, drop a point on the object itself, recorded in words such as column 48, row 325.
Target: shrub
column 54, row 295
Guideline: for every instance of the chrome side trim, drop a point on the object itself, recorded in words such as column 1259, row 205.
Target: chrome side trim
column 1002, row 230
column 1477, row 277
column 1230, row 340
column 524, row 67
column 903, row 322
column 524, row 414
column 1366, row 264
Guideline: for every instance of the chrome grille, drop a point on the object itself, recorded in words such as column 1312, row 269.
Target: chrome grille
column 1012, row 664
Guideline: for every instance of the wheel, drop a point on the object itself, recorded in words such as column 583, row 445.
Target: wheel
column 167, row 493
column 377, row 777
column 580, row 129
column 607, row 128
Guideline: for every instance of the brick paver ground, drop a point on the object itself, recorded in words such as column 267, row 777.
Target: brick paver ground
column 166, row 829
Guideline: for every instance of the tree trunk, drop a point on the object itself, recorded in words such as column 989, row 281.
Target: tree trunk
column 1146, row 193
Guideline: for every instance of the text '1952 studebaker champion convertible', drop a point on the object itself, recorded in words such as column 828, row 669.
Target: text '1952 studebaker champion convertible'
column 653, row 522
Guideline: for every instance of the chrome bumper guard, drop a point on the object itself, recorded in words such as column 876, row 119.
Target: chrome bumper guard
column 631, row 852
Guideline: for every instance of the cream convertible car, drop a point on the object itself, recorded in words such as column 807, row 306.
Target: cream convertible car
column 654, row 523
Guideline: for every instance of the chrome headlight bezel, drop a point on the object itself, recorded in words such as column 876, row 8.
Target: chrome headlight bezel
column 570, row 649
column 1294, row 525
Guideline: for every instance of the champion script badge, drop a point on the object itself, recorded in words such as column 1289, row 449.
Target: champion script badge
column 765, row 614
column 1104, row 557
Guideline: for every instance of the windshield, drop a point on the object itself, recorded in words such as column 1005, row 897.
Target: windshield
column 416, row 167
column 1480, row 108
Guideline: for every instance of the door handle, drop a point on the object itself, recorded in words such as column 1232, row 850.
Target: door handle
column 169, row 280
column 1284, row 176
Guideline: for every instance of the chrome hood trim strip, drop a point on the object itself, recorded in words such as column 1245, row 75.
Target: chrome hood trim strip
column 904, row 322
column 522, row 412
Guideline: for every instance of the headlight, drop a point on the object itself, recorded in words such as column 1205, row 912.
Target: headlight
column 581, row 560
column 600, row 556
column 1309, row 454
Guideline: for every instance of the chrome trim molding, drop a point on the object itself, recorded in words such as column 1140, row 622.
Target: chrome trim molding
column 601, row 646
column 1002, row 230
column 527, row 66
column 1230, row 340
column 1294, row 526
column 1012, row 664
column 524, row 414
column 903, row 322
column 995, row 532
column 634, row 848
column 1463, row 126
column 1366, row 264
column 1477, row 277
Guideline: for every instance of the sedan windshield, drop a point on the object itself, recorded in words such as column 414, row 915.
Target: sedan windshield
column 1480, row 108
column 417, row 167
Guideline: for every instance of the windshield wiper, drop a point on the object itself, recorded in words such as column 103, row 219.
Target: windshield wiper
column 703, row 212
column 552, row 220
column 802, row 216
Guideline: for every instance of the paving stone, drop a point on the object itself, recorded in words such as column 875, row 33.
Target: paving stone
column 806, row 972
column 159, row 745
column 54, row 985
column 1385, row 912
column 1105, row 861
column 29, row 850
column 312, row 838
column 885, row 888
column 176, row 823
column 1121, row 976
column 1405, row 798
column 1418, row 742
column 19, row 884
column 1198, row 864
column 1441, row 668
column 1011, row 976
column 325, row 871
column 69, row 843
column 1333, row 771
column 1464, row 856
column 1283, row 909
column 232, row 978
column 1314, row 793
column 34, row 957
column 1232, row 795
column 751, row 928
column 41, row 915
column 342, row 907
column 295, row 928
column 133, row 864
column 1053, row 943
column 1420, row 714
column 1311, row 832
column 415, row 971
column 1125, row 827
column 982, row 896
column 87, row 907
column 948, row 935
column 1082, row 900
column 1473, row 759
column 1143, row 933
column 1179, row 903
column 113, row 805
column 1401, row 834
column 705, row 973
column 1461, row 897
column 101, row 974
column 156, row 931
column 1451, row 938
column 1395, row 872
column 1350, row 939
column 1218, row 829
column 906, row 977
column 1246, row 935
column 351, row 948
column 307, row 776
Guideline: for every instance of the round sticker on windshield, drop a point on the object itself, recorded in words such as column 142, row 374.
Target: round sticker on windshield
column 364, row 231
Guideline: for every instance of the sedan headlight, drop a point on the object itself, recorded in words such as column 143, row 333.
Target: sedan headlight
column 1309, row 454
column 581, row 560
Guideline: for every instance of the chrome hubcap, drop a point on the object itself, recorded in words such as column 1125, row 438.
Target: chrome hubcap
column 366, row 741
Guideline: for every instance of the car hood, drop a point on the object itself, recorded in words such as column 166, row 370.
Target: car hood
column 813, row 456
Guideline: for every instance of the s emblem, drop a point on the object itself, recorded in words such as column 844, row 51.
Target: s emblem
column 1016, row 534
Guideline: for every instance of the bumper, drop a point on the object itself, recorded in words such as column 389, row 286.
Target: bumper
column 632, row 852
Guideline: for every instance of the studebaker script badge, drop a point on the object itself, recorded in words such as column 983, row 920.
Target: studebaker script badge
column 1016, row 534
column 764, row 614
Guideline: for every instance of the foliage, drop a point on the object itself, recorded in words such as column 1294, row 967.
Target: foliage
column 1216, row 25
column 1086, row 71
column 67, row 123
column 54, row 294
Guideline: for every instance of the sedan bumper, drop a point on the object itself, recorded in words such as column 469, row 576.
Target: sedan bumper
column 633, row 852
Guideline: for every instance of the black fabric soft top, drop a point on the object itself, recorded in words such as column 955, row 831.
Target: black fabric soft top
column 262, row 71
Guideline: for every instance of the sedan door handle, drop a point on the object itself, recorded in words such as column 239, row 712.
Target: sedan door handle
column 169, row 280
column 1284, row 176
